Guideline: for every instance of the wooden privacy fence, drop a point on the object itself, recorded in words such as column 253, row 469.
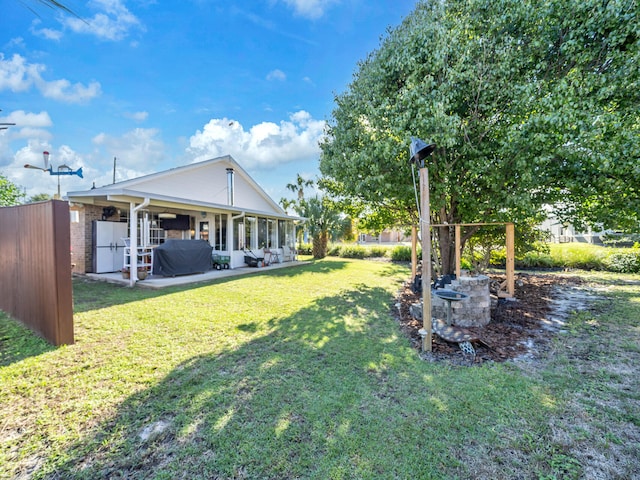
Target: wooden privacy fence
column 35, row 268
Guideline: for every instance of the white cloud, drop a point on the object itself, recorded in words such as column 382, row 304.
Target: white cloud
column 136, row 148
column 18, row 75
column 264, row 145
column 27, row 126
column 25, row 119
column 63, row 91
column 48, row 33
column 310, row 8
column 276, row 75
column 113, row 22
column 137, row 116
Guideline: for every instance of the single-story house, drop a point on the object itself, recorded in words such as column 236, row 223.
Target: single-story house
column 214, row 201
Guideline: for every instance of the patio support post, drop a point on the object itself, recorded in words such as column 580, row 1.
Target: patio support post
column 425, row 227
column 133, row 240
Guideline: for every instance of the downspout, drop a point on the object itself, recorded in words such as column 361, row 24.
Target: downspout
column 133, row 239
column 230, row 187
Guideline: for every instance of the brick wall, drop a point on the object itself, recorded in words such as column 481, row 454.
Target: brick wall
column 81, row 237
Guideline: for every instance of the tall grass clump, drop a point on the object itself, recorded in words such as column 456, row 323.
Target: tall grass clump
column 353, row 251
column 402, row 253
column 579, row 255
column 377, row 251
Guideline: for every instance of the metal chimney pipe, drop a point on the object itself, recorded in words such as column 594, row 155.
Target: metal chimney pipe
column 230, row 186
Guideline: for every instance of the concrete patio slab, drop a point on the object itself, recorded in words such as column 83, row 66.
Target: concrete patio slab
column 158, row 281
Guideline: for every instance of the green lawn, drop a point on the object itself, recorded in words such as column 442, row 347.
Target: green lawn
column 303, row 373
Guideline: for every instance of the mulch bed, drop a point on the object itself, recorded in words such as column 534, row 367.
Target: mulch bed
column 515, row 328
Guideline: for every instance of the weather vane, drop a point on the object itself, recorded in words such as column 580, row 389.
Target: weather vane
column 62, row 169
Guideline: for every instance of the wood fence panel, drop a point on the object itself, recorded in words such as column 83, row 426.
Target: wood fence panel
column 35, row 268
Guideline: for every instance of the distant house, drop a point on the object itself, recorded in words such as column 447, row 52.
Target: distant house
column 215, row 200
column 565, row 233
column 391, row 236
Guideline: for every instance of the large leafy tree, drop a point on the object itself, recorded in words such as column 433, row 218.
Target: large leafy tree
column 530, row 103
column 10, row 193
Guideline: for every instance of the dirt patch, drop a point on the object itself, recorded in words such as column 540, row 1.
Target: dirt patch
column 520, row 328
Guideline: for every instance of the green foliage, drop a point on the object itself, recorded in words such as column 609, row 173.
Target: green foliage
column 535, row 259
column 529, row 103
column 353, row 251
column 39, row 197
column 401, row 253
column 305, row 249
column 579, row 255
column 10, row 193
column 378, row 251
column 623, row 262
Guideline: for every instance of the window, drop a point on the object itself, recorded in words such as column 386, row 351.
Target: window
column 219, row 240
column 238, row 233
column 250, row 232
column 272, row 226
column 263, row 237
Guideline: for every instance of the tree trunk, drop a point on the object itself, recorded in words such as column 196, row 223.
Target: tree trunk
column 447, row 250
column 320, row 242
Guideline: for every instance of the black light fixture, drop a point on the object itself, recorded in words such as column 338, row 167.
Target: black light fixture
column 420, row 150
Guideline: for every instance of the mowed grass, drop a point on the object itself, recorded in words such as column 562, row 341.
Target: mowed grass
column 295, row 373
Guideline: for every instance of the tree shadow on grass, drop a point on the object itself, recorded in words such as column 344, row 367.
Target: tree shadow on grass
column 92, row 294
column 328, row 392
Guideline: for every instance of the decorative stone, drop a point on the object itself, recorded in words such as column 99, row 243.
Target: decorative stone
column 474, row 311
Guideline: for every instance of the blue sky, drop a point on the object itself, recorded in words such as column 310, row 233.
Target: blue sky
column 158, row 84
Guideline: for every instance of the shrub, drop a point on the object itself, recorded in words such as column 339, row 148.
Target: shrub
column 305, row 249
column 353, row 251
column 334, row 250
column 623, row 262
column 378, row 251
column 402, row 253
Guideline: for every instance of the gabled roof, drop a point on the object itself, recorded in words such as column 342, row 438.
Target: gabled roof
column 200, row 185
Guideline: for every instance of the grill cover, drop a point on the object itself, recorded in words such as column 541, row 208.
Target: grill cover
column 182, row 257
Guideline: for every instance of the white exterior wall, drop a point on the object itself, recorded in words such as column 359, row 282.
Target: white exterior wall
column 207, row 184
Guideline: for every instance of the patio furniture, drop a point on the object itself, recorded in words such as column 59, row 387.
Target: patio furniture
column 271, row 256
column 288, row 254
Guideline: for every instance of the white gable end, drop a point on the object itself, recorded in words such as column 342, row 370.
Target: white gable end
column 205, row 182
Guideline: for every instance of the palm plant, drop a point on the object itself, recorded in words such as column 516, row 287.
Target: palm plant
column 324, row 221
